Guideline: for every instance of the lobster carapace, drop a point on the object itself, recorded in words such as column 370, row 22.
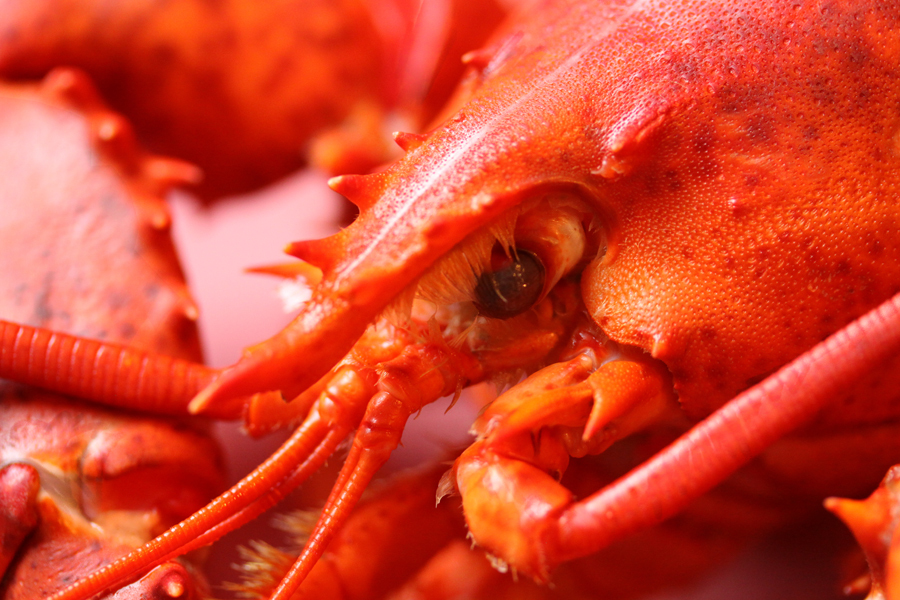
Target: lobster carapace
column 690, row 194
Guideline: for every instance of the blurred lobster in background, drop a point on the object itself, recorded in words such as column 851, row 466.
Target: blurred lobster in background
column 242, row 89
column 671, row 216
column 81, row 485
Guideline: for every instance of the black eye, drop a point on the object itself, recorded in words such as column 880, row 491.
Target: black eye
column 512, row 288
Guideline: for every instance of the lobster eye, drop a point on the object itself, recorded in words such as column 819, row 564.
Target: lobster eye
column 511, row 289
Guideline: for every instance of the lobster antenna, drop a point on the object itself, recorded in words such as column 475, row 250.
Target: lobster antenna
column 362, row 463
column 105, row 372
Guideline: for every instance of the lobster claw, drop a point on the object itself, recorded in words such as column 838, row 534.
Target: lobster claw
column 509, row 479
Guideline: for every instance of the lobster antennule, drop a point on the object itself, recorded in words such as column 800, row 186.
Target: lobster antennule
column 300, row 456
column 404, row 386
column 348, row 489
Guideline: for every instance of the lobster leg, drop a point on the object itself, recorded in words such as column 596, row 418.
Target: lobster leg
column 306, row 450
column 544, row 527
column 405, row 385
column 391, row 535
column 379, row 403
column 528, row 434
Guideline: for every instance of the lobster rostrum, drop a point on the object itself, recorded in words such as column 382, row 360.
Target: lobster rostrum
column 649, row 206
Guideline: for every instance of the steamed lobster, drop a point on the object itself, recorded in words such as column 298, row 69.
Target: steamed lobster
column 649, row 207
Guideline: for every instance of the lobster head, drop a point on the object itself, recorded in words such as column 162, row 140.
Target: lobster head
column 695, row 165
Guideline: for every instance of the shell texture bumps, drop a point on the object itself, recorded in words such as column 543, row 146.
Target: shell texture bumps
column 749, row 204
column 61, row 127
column 749, row 191
column 192, row 76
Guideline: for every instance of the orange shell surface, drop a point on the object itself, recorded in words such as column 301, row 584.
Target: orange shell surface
column 743, row 157
column 85, row 225
column 236, row 87
column 759, row 213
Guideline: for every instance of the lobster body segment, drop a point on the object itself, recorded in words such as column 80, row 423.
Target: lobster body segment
column 192, row 77
column 761, row 213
